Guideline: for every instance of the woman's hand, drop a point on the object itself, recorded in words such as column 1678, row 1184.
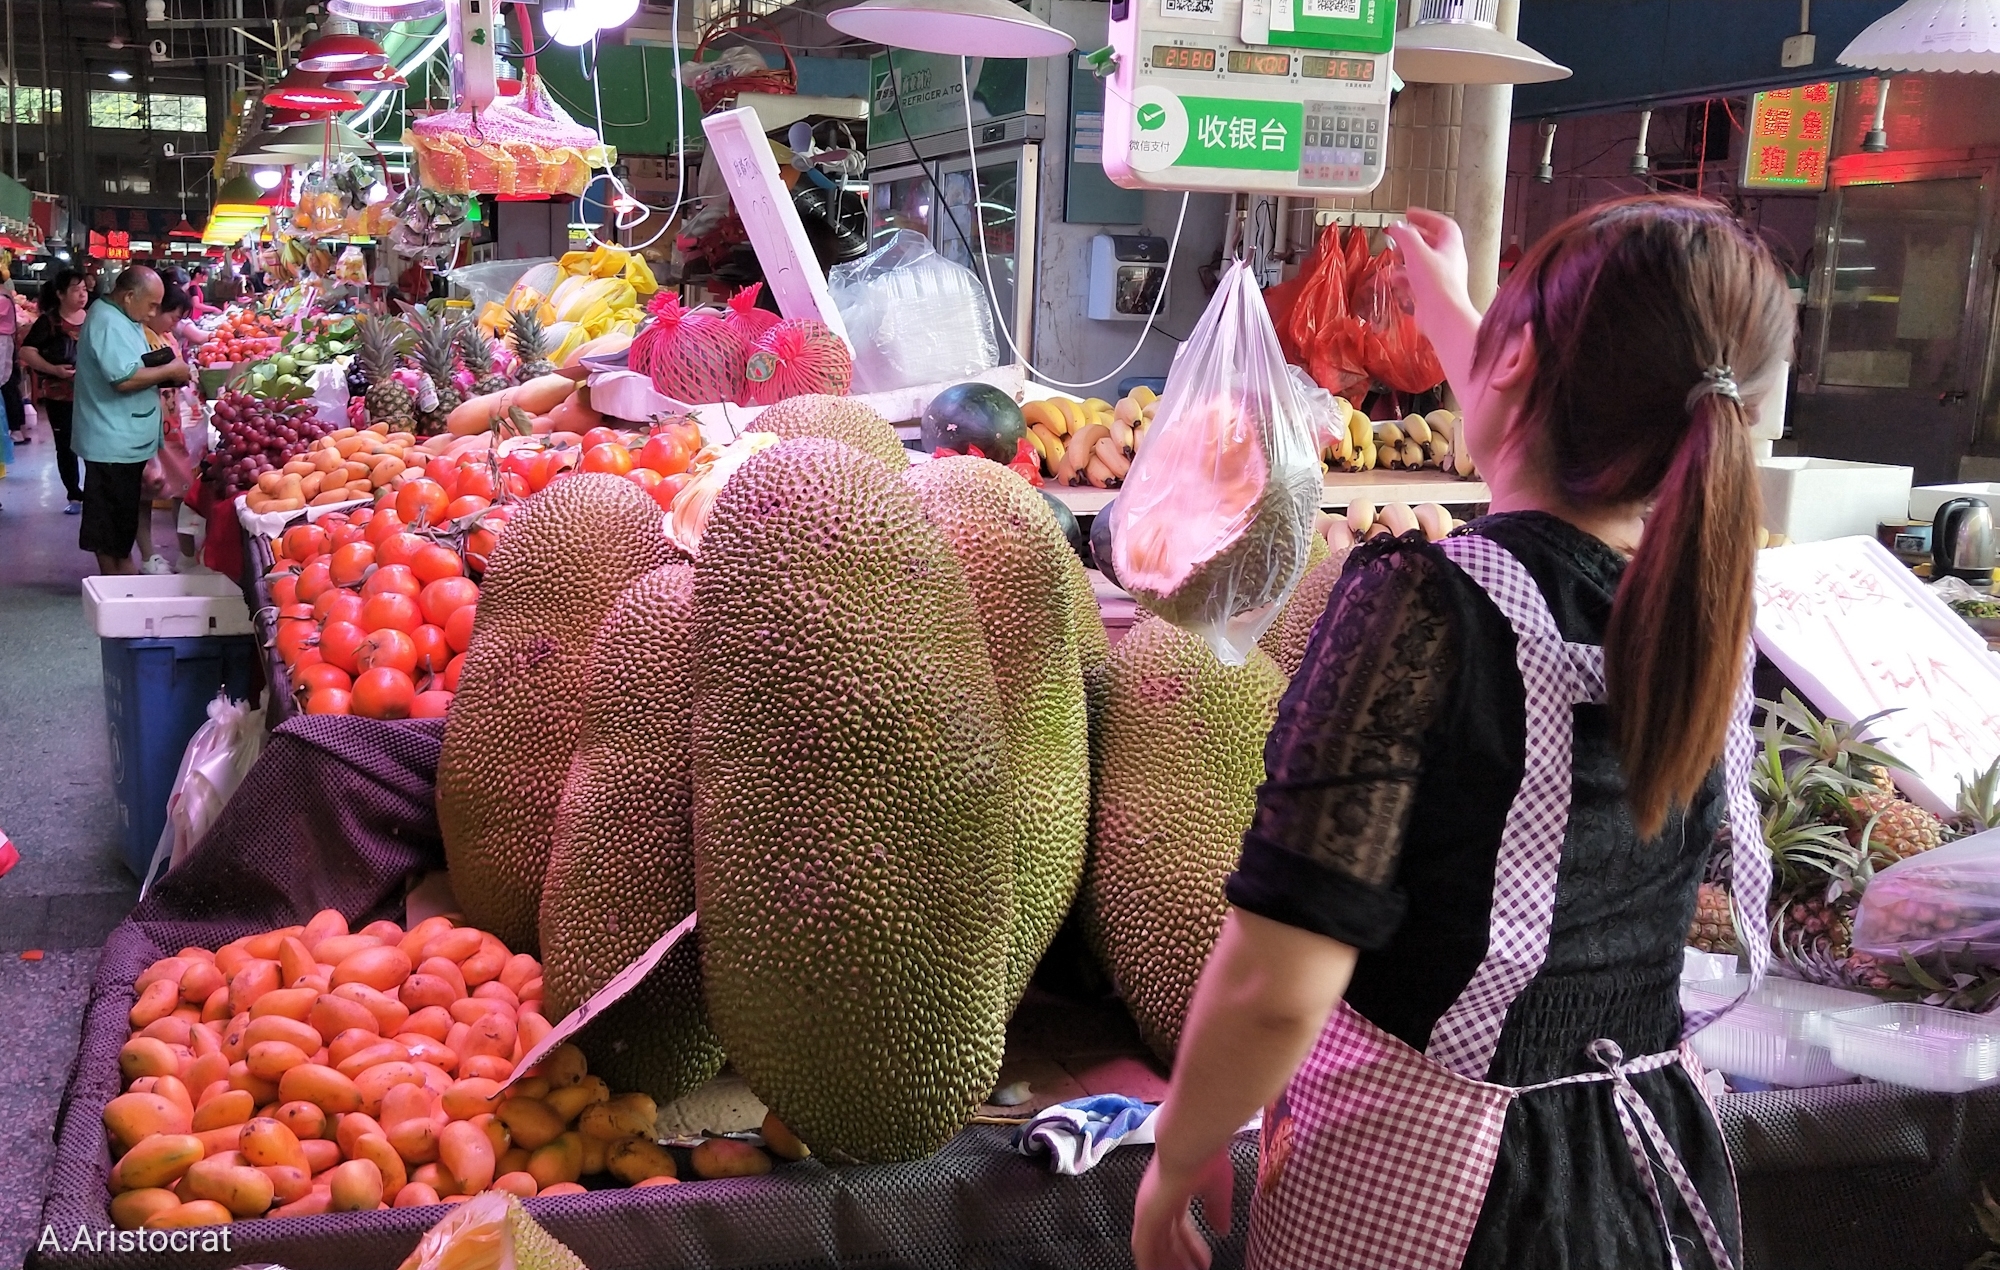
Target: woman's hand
column 1433, row 252
column 1164, row 1236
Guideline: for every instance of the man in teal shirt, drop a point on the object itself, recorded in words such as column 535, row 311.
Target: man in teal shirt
column 117, row 418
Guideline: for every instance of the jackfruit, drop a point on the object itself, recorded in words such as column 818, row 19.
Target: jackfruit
column 852, row 866
column 514, row 722
column 1286, row 638
column 837, row 419
column 621, row 860
column 1180, row 752
column 1019, row 565
column 490, row 1231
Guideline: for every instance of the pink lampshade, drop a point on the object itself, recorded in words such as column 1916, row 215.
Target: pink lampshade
column 342, row 53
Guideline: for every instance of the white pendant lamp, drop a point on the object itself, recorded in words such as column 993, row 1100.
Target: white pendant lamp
column 1460, row 42
column 1930, row 35
column 956, row 28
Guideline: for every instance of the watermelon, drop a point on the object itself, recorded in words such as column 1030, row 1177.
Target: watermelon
column 974, row 418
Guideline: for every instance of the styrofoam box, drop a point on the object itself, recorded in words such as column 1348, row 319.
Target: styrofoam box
column 1926, row 499
column 1920, row 1046
column 164, row 606
column 1812, row 500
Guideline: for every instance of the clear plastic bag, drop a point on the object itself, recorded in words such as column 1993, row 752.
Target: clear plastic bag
column 1212, row 526
column 1945, row 900
column 912, row 316
column 221, row 751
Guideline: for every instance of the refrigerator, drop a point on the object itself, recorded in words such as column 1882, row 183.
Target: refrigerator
column 921, row 171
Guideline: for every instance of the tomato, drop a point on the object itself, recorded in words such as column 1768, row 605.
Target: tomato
column 444, row 597
column 612, row 458
column 395, row 578
column 350, row 564
column 433, row 651
column 338, row 643
column 392, row 648
column 390, row 611
column 338, row 605
column 384, row 693
column 329, row 701
column 644, row 477
column 430, row 705
column 303, row 542
column 668, row 452
column 384, row 525
column 284, row 588
column 313, row 579
column 435, row 563
column 421, row 502
column 320, row 675
column 400, row 548
column 669, row 488
column 452, row 670
column 477, row 480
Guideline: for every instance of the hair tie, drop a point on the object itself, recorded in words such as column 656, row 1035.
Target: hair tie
column 1719, row 380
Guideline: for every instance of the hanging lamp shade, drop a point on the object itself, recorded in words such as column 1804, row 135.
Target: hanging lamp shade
column 959, row 28
column 381, row 78
column 307, row 90
column 184, row 230
column 239, row 191
column 1460, row 42
column 310, row 140
column 1930, row 35
column 385, row 10
column 331, row 53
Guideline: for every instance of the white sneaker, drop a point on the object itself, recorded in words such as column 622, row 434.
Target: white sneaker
column 156, row 565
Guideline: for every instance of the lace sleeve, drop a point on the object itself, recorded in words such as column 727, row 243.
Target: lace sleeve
column 1342, row 762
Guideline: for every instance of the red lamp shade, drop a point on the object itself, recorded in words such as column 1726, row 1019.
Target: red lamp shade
column 307, row 90
column 184, row 230
column 371, row 81
column 342, row 53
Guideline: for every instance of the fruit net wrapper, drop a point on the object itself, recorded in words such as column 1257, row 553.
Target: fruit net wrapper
column 530, row 148
column 1944, row 900
column 1213, row 523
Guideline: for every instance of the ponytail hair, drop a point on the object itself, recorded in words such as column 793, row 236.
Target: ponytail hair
column 1645, row 313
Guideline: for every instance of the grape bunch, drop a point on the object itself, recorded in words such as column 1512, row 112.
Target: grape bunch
column 257, row 435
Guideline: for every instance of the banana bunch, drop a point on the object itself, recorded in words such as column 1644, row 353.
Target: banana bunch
column 1419, row 441
column 1089, row 442
column 1363, row 522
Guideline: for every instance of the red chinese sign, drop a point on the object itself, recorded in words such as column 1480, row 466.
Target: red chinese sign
column 1791, row 130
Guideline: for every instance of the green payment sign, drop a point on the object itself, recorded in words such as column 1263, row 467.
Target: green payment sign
column 1225, row 132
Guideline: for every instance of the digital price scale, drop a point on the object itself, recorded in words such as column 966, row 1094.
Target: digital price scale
column 1271, row 96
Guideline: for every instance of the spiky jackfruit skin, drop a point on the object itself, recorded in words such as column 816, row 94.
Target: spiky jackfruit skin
column 852, row 861
column 1255, row 569
column 1286, row 638
column 1180, row 753
column 837, row 419
column 621, row 862
column 514, row 722
column 1016, row 560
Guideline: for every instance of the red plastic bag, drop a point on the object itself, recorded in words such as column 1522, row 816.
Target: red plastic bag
column 1322, row 335
column 1394, row 352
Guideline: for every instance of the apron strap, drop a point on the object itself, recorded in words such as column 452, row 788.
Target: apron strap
column 1749, row 860
column 1556, row 676
column 1637, row 1123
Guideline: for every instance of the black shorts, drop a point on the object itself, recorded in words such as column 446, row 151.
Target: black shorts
column 111, row 506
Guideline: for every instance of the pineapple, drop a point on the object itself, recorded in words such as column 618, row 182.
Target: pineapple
column 1890, row 827
column 437, row 354
column 1714, row 931
column 1979, row 801
column 387, row 401
column 531, row 346
column 479, row 352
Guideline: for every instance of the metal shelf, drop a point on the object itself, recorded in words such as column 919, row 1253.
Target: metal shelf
column 1341, row 488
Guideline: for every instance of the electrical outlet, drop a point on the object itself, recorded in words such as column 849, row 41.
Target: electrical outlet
column 1799, row 50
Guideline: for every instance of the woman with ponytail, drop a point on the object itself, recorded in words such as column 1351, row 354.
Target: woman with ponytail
column 1450, row 971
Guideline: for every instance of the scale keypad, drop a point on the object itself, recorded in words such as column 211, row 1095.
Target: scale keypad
column 1343, row 144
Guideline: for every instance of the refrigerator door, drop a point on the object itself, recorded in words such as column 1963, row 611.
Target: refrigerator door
column 1007, row 196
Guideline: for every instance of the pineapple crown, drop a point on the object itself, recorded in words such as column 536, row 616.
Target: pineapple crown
column 1835, row 743
column 1979, row 800
column 475, row 343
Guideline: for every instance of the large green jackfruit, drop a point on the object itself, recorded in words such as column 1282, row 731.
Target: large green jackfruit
column 1180, row 753
column 853, row 867
column 1019, row 563
column 621, row 864
column 513, row 725
column 836, row 419
column 1286, row 638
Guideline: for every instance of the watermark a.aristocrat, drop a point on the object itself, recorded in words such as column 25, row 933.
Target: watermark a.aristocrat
column 104, row 1239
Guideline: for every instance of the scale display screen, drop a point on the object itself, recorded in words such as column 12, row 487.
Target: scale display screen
column 1260, row 62
column 1360, row 70
column 1180, row 57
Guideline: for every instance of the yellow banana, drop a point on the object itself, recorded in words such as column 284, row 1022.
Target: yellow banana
column 1121, row 435
column 1360, row 432
column 1046, row 443
column 1413, row 455
column 1106, row 450
column 1360, row 515
column 1072, row 413
column 1098, row 473
column 1045, row 414
column 1387, row 433
column 1143, row 395
column 1082, row 441
column 1415, row 429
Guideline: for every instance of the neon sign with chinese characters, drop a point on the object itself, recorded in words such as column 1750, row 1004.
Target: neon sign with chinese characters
column 1791, row 135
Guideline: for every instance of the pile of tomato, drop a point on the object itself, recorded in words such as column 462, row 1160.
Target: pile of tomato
column 244, row 336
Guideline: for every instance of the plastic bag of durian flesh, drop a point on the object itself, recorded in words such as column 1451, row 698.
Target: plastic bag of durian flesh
column 1211, row 527
column 490, row 1231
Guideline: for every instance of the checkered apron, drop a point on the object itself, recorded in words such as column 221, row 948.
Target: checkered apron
column 1378, row 1157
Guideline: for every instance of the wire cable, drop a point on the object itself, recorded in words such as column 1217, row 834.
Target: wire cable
column 986, row 263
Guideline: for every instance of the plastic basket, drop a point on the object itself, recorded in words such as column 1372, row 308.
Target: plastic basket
column 782, row 82
column 156, row 695
column 1920, row 1046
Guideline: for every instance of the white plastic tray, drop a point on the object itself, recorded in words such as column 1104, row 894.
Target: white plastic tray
column 164, row 606
column 1778, row 1036
column 1920, row 1046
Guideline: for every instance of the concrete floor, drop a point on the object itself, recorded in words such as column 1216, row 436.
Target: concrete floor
column 70, row 888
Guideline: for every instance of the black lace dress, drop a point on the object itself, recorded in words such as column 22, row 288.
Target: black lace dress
column 1396, row 754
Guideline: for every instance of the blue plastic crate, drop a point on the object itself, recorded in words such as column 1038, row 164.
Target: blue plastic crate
column 156, row 695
